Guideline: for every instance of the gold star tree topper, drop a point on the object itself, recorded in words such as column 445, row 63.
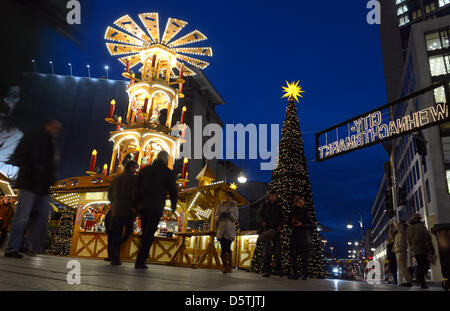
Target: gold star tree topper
column 292, row 90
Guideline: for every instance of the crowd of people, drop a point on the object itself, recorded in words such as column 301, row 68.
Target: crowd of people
column 413, row 239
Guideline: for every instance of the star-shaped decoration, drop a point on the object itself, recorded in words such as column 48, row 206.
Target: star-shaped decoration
column 292, row 90
column 233, row 186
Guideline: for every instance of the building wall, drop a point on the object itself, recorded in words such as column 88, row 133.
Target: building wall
column 82, row 103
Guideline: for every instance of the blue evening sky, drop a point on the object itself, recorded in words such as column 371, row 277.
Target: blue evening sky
column 257, row 46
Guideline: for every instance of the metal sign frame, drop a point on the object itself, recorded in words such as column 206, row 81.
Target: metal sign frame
column 444, row 83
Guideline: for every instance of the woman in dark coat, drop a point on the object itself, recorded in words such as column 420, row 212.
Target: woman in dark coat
column 301, row 241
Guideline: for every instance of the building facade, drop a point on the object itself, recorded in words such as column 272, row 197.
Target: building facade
column 426, row 179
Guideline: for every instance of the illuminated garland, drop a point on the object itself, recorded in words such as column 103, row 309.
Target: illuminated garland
column 291, row 179
column 62, row 239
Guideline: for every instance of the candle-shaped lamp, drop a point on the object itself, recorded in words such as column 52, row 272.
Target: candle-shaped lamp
column 183, row 114
column 185, row 183
column 132, row 78
column 128, row 64
column 145, row 104
column 111, row 108
column 93, row 160
column 105, row 169
column 183, row 174
column 119, row 123
column 180, row 85
column 136, row 154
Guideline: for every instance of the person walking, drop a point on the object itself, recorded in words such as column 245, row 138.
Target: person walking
column 390, row 254
column 153, row 184
column 400, row 249
column 420, row 245
column 226, row 216
column 10, row 135
column 301, row 241
column 37, row 157
column 121, row 195
column 6, row 215
column 108, row 218
column 269, row 218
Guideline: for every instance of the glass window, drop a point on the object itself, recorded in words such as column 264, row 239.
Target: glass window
column 399, row 1
column 417, row 170
column 402, row 9
column 439, row 95
column 437, row 65
column 427, row 185
column 420, row 197
column 403, row 20
column 447, row 172
column 443, row 2
column 433, row 41
column 433, row 7
column 427, row 9
column 444, row 39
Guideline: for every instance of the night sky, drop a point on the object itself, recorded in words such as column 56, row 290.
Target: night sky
column 327, row 45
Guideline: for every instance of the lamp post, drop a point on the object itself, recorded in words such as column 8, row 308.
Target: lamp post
column 242, row 178
column 106, row 68
column 89, row 70
column 70, row 68
column 350, row 226
column 34, row 65
column 51, row 65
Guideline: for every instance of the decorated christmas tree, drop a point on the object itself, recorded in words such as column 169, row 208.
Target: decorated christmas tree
column 62, row 239
column 290, row 179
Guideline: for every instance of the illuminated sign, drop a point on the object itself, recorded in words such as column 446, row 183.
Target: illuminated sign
column 398, row 118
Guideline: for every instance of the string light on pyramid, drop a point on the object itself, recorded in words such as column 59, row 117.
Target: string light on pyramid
column 233, row 186
column 292, row 90
column 141, row 45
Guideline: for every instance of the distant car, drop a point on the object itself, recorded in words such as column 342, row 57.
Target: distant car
column 333, row 272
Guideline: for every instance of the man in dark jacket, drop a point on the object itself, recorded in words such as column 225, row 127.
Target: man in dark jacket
column 121, row 195
column 154, row 182
column 37, row 156
column 269, row 218
column 420, row 245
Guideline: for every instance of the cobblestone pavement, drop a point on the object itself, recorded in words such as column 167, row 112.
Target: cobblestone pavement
column 49, row 273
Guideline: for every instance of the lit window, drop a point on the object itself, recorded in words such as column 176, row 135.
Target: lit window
column 433, row 7
column 439, row 95
column 444, row 39
column 399, row 1
column 433, row 41
column 403, row 20
column 402, row 9
column 443, row 2
column 438, row 65
column 447, row 172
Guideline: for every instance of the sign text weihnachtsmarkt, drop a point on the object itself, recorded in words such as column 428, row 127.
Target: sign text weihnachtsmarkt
column 403, row 116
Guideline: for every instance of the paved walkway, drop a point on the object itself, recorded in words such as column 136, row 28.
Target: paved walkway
column 49, row 273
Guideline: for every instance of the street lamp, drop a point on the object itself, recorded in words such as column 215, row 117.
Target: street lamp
column 349, row 243
column 34, row 65
column 372, row 249
column 89, row 70
column 242, row 178
column 51, row 65
column 356, row 243
column 70, row 67
column 106, row 68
